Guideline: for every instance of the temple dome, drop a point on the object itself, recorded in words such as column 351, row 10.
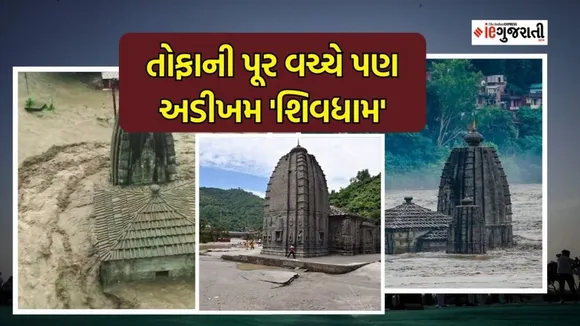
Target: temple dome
column 473, row 138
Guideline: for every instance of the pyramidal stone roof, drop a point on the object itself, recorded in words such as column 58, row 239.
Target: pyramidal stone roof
column 144, row 222
column 412, row 216
column 335, row 211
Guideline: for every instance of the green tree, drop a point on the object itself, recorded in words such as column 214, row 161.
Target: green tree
column 362, row 196
column 414, row 160
column 455, row 86
column 497, row 125
column 529, row 122
column 230, row 209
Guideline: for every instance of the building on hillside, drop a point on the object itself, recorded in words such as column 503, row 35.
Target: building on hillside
column 297, row 213
column 146, row 233
column 352, row 234
column 491, row 90
column 412, row 228
column 532, row 99
column 534, row 96
column 494, row 91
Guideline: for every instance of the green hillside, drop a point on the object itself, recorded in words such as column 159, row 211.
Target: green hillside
column 240, row 210
column 230, row 209
column 361, row 196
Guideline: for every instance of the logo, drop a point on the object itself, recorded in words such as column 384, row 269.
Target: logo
column 509, row 32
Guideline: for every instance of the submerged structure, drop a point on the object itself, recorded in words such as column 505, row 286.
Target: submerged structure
column 412, row 228
column 142, row 158
column 145, row 233
column 297, row 213
column 476, row 172
column 144, row 221
column 466, row 233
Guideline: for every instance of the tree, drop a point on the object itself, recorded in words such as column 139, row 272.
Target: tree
column 230, row 209
column 414, row 160
column 519, row 73
column 362, row 196
column 361, row 176
column 529, row 121
column 496, row 125
column 455, row 86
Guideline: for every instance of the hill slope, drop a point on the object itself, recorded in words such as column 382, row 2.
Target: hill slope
column 230, row 209
column 237, row 209
column 361, row 196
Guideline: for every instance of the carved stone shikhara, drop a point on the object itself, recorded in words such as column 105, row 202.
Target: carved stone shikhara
column 297, row 213
column 466, row 234
column 142, row 158
column 476, row 172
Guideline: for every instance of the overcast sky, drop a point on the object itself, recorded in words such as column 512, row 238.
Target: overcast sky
column 340, row 156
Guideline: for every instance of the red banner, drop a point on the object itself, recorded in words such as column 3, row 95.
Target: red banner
column 272, row 82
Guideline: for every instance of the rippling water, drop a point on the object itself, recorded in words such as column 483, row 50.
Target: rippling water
column 518, row 267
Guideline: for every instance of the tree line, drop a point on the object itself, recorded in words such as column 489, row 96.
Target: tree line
column 222, row 210
column 415, row 160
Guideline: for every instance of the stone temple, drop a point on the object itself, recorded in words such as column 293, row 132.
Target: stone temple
column 473, row 208
column 144, row 220
column 297, row 213
column 475, row 172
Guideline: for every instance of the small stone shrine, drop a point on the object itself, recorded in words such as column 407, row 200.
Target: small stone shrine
column 297, row 213
column 475, row 172
column 466, row 233
column 412, row 228
column 145, row 220
column 145, row 233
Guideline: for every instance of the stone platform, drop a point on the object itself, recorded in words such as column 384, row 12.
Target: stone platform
column 333, row 264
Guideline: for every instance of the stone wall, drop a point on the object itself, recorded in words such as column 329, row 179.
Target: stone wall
column 146, row 269
column 433, row 245
column 289, row 263
column 466, row 234
column 370, row 237
column 403, row 241
column 353, row 235
column 344, row 233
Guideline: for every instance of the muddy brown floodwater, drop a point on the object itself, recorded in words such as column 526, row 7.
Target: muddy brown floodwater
column 518, row 267
column 62, row 156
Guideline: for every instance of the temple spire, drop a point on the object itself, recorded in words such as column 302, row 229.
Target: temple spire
column 473, row 127
column 298, row 142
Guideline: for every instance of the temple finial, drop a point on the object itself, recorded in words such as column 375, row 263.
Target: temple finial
column 473, row 127
column 298, row 142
